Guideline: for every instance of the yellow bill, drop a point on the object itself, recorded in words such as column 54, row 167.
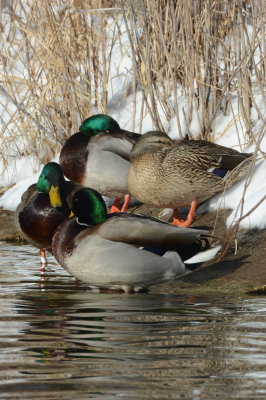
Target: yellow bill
column 55, row 198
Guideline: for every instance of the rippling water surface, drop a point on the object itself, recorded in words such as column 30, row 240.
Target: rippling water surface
column 59, row 340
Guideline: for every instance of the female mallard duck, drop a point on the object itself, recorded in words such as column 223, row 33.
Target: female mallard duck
column 103, row 251
column 98, row 156
column 187, row 172
column 44, row 206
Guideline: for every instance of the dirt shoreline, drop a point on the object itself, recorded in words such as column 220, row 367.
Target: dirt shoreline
column 243, row 272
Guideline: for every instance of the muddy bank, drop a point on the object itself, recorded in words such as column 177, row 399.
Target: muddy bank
column 8, row 230
column 241, row 271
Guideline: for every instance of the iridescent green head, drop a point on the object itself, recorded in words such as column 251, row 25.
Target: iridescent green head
column 51, row 181
column 99, row 123
column 89, row 206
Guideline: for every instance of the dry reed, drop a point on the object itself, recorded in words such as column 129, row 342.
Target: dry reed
column 64, row 51
column 213, row 49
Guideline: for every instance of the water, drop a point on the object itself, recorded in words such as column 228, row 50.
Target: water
column 61, row 341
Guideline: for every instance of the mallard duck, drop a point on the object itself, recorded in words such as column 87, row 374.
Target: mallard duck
column 103, row 249
column 98, row 156
column 165, row 174
column 44, row 206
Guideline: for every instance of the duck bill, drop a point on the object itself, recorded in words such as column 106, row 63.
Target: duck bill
column 71, row 214
column 55, row 198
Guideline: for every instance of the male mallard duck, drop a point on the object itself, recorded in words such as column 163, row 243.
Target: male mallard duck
column 98, row 156
column 44, row 206
column 103, row 251
column 168, row 174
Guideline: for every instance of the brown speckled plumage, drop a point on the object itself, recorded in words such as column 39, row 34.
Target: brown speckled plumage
column 174, row 176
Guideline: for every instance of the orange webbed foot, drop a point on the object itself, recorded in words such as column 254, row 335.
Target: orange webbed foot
column 190, row 216
column 127, row 199
column 115, row 207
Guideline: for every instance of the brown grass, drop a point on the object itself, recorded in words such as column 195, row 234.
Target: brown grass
column 205, row 46
column 59, row 47
column 64, row 48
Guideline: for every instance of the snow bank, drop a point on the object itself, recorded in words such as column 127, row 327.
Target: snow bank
column 228, row 130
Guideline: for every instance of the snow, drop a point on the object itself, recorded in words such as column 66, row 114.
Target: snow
column 18, row 169
column 253, row 194
column 11, row 198
column 228, row 130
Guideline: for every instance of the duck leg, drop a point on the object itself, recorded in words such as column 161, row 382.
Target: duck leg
column 43, row 260
column 127, row 199
column 190, row 216
column 115, row 206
